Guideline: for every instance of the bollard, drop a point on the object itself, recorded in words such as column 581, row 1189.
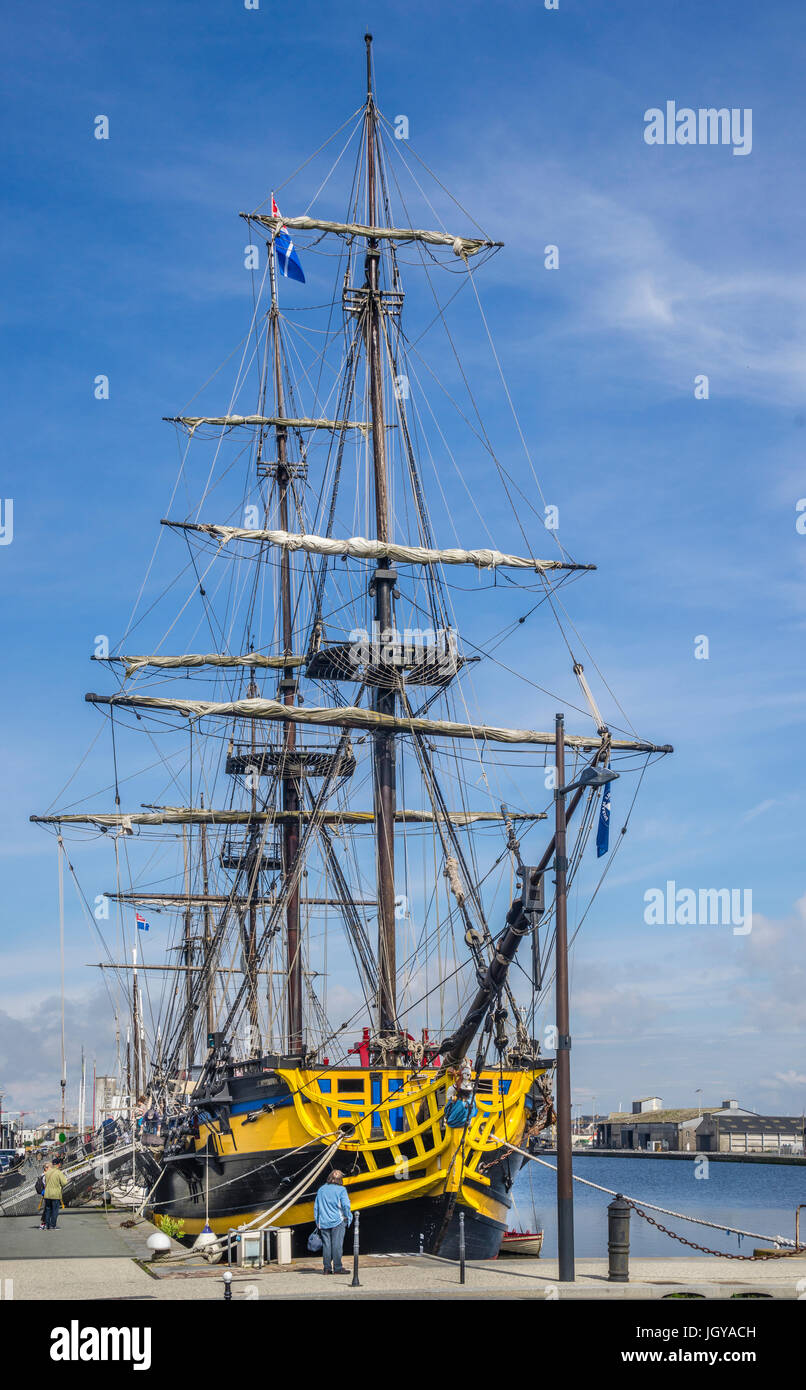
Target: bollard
column 227, row 1278
column 461, row 1247
column 618, row 1241
column 422, row 1243
column 355, row 1282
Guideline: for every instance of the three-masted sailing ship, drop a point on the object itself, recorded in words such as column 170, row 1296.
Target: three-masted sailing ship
column 331, row 769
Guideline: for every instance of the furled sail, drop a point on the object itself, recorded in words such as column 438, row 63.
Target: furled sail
column 192, row 422
column 354, row 717
column 460, row 245
column 194, row 659
column 188, row 815
column 364, row 549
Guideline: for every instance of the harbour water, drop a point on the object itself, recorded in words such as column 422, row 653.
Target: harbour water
column 759, row 1197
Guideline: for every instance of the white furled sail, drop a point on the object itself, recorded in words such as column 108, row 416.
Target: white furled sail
column 185, row 815
column 192, row 422
column 363, row 549
column 194, row 659
column 460, row 245
column 354, row 717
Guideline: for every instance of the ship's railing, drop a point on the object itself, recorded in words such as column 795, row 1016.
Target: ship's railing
column 409, row 1116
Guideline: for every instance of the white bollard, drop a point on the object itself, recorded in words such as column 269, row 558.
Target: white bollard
column 283, row 1245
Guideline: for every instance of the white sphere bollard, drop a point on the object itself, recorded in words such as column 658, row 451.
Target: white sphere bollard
column 207, row 1243
column 159, row 1244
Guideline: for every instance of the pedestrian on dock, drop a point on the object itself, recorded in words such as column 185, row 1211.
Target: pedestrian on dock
column 332, row 1213
column 39, row 1188
column 55, row 1183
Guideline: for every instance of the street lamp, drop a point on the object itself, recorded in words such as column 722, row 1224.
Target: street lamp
column 565, row 1178
column 591, row 777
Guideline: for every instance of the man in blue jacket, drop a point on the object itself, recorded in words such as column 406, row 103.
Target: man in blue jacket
column 333, row 1214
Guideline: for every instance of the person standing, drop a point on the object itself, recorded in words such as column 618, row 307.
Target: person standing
column 40, row 1191
column 55, row 1182
column 332, row 1213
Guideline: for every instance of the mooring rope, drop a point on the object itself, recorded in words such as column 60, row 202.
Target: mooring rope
column 681, row 1216
column 267, row 1217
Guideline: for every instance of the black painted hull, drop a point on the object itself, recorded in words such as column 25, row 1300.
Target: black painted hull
column 245, row 1184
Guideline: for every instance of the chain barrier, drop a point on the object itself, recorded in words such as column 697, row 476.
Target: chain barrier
column 698, row 1220
column 704, row 1250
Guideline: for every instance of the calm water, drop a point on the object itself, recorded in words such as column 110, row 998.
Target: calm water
column 759, row 1197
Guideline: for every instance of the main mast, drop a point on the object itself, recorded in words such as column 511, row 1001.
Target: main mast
column 288, row 688
column 382, row 587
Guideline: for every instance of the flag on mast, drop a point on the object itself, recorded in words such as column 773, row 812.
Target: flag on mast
column 603, row 831
column 142, row 924
column 287, row 258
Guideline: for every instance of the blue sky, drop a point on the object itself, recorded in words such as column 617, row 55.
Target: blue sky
column 125, row 257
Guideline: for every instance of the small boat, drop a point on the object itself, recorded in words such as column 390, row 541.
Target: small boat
column 522, row 1243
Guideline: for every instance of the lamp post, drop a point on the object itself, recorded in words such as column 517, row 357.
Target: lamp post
column 565, row 1182
column 592, row 776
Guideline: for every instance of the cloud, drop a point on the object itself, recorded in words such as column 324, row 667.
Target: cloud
column 774, row 992
column 759, row 810
column 788, row 1078
column 30, row 1051
column 626, row 270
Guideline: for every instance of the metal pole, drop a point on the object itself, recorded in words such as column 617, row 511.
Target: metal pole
column 565, row 1181
column 618, row 1241
column 355, row 1282
column 461, row 1247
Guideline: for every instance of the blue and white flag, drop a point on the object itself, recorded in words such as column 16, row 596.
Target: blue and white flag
column 142, row 924
column 287, row 258
column 603, row 831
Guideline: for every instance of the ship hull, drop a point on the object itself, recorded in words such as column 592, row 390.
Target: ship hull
column 265, row 1143
column 240, row 1191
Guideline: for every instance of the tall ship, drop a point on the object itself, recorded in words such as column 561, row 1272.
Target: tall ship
column 327, row 813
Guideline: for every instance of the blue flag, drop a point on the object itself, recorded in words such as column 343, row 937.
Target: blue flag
column 142, row 924
column 287, row 258
column 603, row 831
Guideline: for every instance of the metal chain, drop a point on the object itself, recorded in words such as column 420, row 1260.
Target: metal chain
column 722, row 1254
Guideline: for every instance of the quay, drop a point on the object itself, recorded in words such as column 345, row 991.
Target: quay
column 584, row 1150
column 93, row 1256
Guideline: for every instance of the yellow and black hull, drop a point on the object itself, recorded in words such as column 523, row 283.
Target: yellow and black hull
column 406, row 1171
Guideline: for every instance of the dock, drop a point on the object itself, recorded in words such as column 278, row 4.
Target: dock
column 99, row 1256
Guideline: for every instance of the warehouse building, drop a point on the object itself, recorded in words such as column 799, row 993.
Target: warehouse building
column 652, row 1129
column 732, row 1133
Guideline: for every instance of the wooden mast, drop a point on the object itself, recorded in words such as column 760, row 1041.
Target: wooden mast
column 188, row 958
column 252, row 861
column 382, row 586
column 208, row 936
column 288, row 687
column 135, row 1041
